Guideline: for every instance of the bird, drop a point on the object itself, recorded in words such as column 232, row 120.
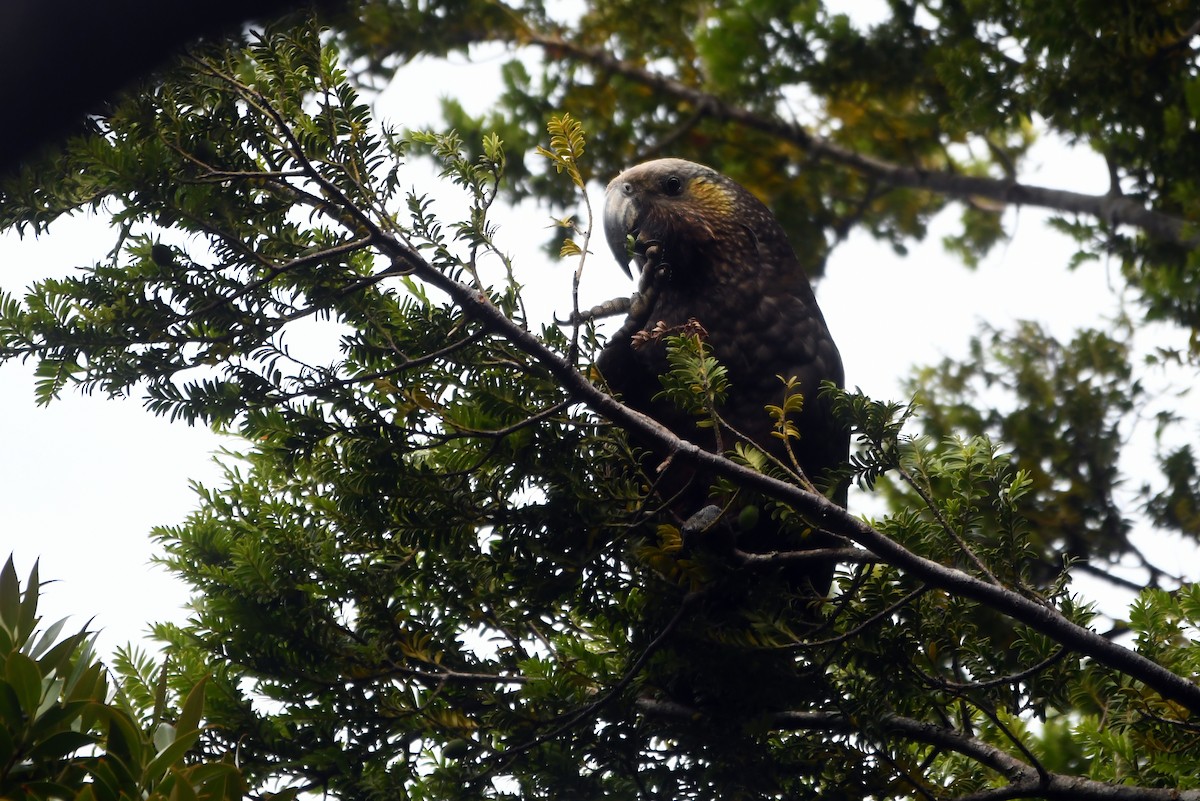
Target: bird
column 708, row 251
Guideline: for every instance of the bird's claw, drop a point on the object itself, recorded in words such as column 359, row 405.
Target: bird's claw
column 654, row 268
column 653, row 271
column 608, row 308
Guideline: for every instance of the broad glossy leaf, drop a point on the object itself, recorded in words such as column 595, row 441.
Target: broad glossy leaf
column 61, row 745
column 26, row 682
column 171, row 756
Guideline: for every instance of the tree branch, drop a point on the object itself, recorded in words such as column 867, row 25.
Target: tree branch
column 1112, row 209
column 769, row 559
column 1024, row 780
column 819, row 509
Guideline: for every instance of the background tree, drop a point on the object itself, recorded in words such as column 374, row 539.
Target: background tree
column 434, row 572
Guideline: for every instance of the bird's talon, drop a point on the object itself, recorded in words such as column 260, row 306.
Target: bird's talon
column 609, row 308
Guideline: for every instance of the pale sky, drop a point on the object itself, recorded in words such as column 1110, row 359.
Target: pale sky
column 83, row 481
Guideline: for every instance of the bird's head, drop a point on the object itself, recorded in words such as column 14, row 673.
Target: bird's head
column 676, row 206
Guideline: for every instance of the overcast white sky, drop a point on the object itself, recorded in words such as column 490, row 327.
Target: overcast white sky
column 83, row 481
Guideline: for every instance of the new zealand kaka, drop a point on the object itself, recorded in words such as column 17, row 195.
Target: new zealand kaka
column 708, row 249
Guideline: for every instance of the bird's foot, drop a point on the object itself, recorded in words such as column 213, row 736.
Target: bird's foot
column 609, row 308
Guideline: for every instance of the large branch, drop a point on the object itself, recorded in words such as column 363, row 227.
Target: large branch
column 1111, row 209
column 87, row 54
column 1025, row 780
column 819, row 509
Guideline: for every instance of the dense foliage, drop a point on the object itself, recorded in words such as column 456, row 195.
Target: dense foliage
column 435, row 570
column 63, row 736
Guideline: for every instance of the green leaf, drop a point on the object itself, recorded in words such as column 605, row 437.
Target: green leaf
column 8, row 746
column 26, row 682
column 193, row 708
column 58, row 715
column 11, row 715
column 171, row 756
column 1191, row 90
column 181, row 790
column 61, row 745
column 10, row 601
column 46, row 640
column 220, row 780
column 27, row 618
column 123, row 741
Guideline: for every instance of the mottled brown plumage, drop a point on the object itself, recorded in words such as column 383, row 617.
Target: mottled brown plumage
column 710, row 250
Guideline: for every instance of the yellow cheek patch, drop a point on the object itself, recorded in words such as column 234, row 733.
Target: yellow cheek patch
column 711, row 209
column 711, row 196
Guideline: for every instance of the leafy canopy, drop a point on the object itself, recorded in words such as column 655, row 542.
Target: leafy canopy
column 435, row 569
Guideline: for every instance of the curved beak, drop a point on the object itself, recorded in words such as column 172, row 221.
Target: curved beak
column 621, row 222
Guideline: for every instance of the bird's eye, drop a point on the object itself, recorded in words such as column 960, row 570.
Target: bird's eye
column 672, row 185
